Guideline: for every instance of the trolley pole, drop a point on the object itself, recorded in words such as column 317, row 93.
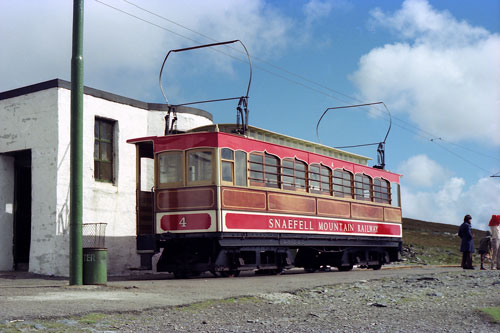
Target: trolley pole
column 76, row 182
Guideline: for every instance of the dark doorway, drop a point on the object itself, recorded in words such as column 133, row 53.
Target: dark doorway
column 22, row 209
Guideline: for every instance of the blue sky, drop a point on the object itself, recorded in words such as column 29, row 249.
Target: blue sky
column 435, row 64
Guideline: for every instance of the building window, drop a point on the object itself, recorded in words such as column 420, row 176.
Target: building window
column 381, row 191
column 264, row 170
column 362, row 187
column 319, row 179
column 103, row 149
column 342, row 183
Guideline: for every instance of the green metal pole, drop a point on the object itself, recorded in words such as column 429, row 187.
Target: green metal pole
column 76, row 193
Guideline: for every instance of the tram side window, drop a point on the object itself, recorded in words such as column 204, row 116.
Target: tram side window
column 294, row 174
column 342, row 183
column 234, row 167
column 395, row 195
column 170, row 166
column 240, row 168
column 227, row 165
column 362, row 187
column 381, row 191
column 319, row 179
column 199, row 169
column 264, row 170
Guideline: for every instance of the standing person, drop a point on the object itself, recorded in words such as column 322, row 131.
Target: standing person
column 467, row 246
column 485, row 248
column 495, row 240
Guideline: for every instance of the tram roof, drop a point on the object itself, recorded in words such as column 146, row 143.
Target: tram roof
column 288, row 141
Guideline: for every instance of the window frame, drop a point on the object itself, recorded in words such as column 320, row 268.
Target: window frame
column 293, row 186
column 363, row 187
column 157, row 167
column 100, row 141
column 232, row 163
column 345, row 194
column 213, row 160
column 378, row 195
column 262, row 182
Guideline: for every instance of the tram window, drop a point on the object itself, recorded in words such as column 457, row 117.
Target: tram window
column 241, row 168
column 227, row 165
column 256, row 169
column 319, row 179
column 227, row 154
column 103, row 149
column 342, row 183
column 170, row 168
column 271, row 173
column 264, row 170
column 362, row 187
column 227, row 171
column 314, row 178
column 395, row 195
column 199, row 167
column 287, row 174
column 381, row 191
column 326, row 175
column 294, row 174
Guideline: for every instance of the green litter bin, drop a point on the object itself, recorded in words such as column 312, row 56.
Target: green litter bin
column 95, row 254
column 95, row 266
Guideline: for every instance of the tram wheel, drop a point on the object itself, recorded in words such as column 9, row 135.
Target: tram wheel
column 232, row 273
column 345, row 268
column 181, row 274
column 311, row 269
column 277, row 271
column 375, row 267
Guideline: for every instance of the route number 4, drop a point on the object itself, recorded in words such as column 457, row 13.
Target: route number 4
column 183, row 222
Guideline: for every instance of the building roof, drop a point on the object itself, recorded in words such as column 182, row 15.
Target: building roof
column 58, row 83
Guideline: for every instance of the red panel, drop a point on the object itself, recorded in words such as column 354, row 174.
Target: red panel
column 185, row 141
column 308, row 225
column 186, row 222
column 190, row 198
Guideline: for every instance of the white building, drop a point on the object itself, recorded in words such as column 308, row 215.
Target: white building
column 35, row 173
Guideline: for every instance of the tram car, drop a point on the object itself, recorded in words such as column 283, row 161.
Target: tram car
column 226, row 202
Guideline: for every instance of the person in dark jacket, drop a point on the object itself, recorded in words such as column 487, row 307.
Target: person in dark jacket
column 485, row 248
column 467, row 246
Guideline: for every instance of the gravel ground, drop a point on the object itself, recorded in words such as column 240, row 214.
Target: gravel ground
column 443, row 302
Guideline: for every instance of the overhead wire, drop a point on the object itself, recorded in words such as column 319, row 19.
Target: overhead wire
column 379, row 112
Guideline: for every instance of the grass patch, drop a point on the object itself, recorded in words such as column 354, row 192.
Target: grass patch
column 434, row 243
column 92, row 318
column 493, row 313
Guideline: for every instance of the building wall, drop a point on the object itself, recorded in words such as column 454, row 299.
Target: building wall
column 29, row 122
column 6, row 212
column 40, row 121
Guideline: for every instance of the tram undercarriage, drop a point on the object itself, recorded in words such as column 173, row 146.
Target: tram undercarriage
column 269, row 254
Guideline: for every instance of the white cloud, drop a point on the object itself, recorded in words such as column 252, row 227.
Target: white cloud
column 453, row 200
column 316, row 9
column 444, row 73
column 420, row 170
column 36, row 39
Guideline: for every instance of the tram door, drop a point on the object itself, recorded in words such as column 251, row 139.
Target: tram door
column 144, row 203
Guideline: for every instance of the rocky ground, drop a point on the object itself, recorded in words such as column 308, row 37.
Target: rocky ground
column 443, row 302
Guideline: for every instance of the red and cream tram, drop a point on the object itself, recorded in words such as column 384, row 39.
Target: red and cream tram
column 225, row 203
